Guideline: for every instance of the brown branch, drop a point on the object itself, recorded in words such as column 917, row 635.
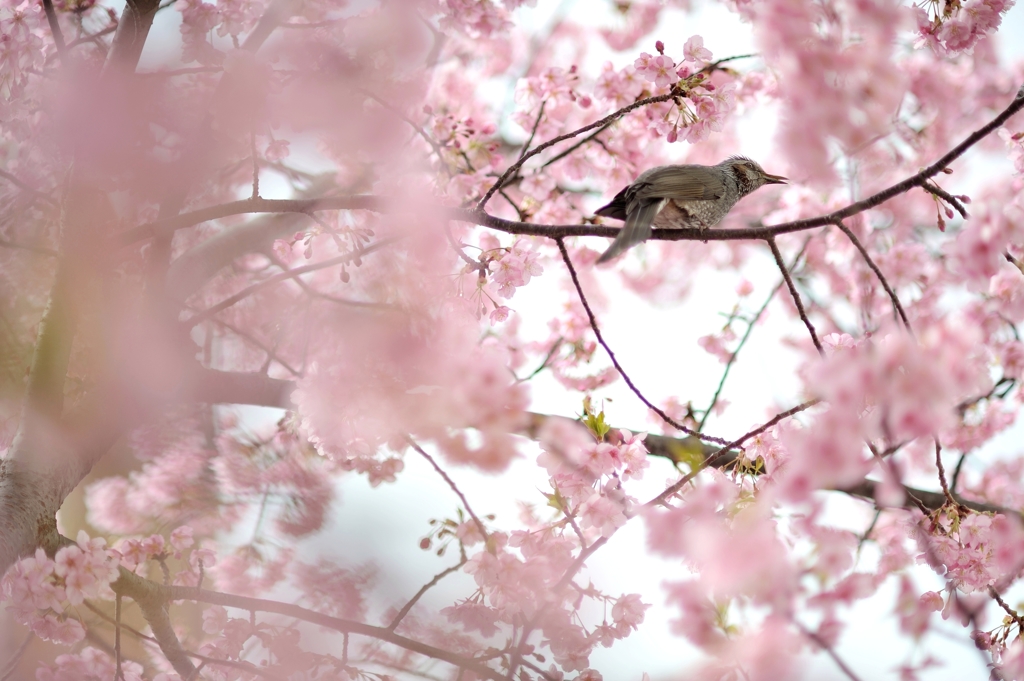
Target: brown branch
column 168, row 226
column 625, row 377
column 878, row 273
column 27, row 188
column 533, row 132
column 451, row 483
column 185, row 593
column 155, row 612
column 799, row 225
column 93, row 36
column 589, row 138
column 938, row 191
column 271, row 353
column 289, row 274
column 1014, row 615
column 514, row 168
column 796, row 295
column 419, row 594
column 479, row 217
column 408, row 121
column 821, row 643
column 724, row 452
column 244, row 666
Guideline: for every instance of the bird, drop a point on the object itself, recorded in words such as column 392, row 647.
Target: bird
column 680, row 196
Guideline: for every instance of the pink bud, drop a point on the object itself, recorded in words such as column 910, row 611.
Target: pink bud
column 964, row 198
column 673, row 135
column 585, row 102
column 660, row 47
column 709, row 87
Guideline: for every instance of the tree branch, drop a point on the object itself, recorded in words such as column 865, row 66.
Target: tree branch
column 878, row 273
column 514, row 168
column 184, row 593
column 168, row 226
column 625, row 377
column 796, row 295
column 289, row 274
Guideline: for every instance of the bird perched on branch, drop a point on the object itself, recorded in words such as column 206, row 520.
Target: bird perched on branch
column 676, row 197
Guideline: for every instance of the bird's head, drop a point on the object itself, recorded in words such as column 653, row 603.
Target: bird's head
column 749, row 175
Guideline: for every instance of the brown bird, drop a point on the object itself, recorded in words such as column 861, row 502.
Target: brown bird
column 675, row 197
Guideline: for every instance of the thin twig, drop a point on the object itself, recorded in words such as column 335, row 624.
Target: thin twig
column 93, row 36
column 271, row 353
column 514, row 168
column 533, row 132
column 419, row 594
column 26, row 187
column 188, row 593
column 1014, row 615
column 543, row 365
column 956, row 473
column 589, row 138
column 474, row 264
column 244, row 666
column 796, row 295
column 736, row 353
column 942, row 475
column 451, row 483
column 393, row 110
column 938, row 191
column 821, row 643
column 724, row 451
column 245, row 293
column 878, row 273
column 625, row 377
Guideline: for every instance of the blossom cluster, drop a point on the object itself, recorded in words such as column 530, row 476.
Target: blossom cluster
column 39, row 590
column 959, row 26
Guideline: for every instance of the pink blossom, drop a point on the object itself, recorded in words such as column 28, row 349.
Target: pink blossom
column 473, row 617
column 87, row 569
column 659, row 70
column 628, row 611
column 695, row 52
column 603, row 514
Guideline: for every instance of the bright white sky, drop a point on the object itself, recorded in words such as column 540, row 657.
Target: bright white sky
column 375, row 524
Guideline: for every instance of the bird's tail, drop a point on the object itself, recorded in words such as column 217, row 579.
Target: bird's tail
column 636, row 229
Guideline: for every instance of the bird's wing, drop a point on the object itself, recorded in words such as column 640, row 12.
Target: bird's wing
column 636, row 229
column 617, row 207
column 682, row 183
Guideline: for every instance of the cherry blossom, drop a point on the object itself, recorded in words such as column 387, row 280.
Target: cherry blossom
column 271, row 271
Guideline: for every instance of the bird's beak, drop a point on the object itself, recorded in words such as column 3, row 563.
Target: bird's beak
column 774, row 179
